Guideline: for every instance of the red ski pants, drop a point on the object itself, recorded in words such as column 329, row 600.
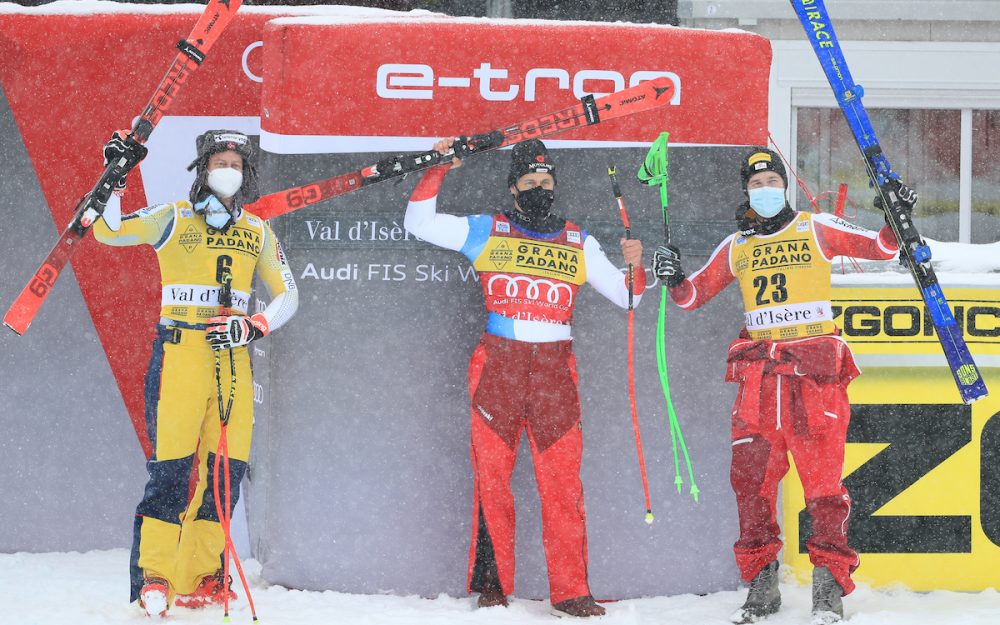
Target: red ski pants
column 515, row 386
column 809, row 421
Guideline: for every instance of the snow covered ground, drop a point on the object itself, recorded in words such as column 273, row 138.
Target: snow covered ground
column 92, row 588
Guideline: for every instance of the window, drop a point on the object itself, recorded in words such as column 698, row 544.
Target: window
column 985, row 176
column 923, row 147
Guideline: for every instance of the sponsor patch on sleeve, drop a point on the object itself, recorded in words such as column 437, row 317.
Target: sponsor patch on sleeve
column 840, row 223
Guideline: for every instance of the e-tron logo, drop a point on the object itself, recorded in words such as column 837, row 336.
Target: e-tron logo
column 414, row 81
column 533, row 290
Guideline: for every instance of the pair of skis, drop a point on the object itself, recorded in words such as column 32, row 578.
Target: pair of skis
column 913, row 249
column 589, row 111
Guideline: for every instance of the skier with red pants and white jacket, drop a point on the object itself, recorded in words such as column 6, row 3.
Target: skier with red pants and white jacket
column 793, row 369
column 522, row 375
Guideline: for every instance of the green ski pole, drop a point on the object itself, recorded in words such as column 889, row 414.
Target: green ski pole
column 654, row 172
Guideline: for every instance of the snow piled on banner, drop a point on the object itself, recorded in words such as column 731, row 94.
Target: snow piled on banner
column 89, row 7
column 954, row 264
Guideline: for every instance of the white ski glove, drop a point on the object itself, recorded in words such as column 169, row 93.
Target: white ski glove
column 235, row 330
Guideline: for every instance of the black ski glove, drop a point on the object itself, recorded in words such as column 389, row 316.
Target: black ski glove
column 667, row 265
column 119, row 147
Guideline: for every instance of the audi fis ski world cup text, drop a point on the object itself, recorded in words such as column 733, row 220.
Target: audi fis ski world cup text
column 556, row 293
column 417, row 81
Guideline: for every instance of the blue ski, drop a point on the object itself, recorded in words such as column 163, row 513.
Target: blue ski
column 917, row 255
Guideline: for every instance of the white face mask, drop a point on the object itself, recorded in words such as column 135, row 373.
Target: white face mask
column 767, row 201
column 225, row 181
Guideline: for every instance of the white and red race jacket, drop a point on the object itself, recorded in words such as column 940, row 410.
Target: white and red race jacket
column 834, row 236
column 529, row 279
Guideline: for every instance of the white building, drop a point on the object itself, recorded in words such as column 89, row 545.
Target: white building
column 930, row 70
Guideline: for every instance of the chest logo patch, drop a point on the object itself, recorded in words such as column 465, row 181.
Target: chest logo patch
column 190, row 238
column 742, row 262
column 501, row 254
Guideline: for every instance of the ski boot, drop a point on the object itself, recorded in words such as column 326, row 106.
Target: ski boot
column 580, row 607
column 490, row 597
column 211, row 591
column 828, row 607
column 153, row 598
column 763, row 599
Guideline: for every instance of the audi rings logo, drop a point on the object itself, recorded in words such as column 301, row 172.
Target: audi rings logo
column 533, row 288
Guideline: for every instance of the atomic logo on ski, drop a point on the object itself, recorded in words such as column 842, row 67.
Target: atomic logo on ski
column 660, row 91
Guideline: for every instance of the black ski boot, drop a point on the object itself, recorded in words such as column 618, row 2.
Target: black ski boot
column 764, row 598
column 828, row 607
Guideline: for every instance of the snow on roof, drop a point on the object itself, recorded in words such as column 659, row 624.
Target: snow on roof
column 424, row 16
column 319, row 15
column 92, row 7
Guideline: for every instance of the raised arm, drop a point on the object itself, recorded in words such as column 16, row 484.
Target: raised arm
column 423, row 220
column 841, row 238
column 146, row 226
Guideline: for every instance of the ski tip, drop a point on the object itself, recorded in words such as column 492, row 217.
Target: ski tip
column 15, row 328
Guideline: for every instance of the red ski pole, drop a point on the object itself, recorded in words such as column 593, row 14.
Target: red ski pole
column 224, row 512
column 631, row 342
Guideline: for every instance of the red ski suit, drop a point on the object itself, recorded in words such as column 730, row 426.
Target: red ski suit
column 522, row 376
column 793, row 391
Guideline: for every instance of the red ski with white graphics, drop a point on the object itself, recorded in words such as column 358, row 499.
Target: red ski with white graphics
column 192, row 51
column 588, row 111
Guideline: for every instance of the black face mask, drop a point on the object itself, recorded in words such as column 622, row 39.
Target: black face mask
column 536, row 202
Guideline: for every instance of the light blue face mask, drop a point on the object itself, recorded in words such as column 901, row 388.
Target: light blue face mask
column 216, row 215
column 767, row 201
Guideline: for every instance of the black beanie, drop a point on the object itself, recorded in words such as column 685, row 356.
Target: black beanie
column 529, row 157
column 761, row 159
